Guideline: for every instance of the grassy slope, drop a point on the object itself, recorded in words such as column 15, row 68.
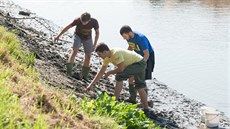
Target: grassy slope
column 25, row 102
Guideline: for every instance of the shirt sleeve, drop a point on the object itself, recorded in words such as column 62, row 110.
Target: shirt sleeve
column 143, row 43
column 96, row 25
column 106, row 62
column 75, row 22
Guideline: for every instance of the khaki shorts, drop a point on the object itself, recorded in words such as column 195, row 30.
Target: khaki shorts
column 87, row 44
column 137, row 70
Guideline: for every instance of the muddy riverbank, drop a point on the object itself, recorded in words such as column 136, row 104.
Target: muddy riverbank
column 168, row 106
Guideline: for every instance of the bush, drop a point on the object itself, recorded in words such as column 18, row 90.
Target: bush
column 127, row 115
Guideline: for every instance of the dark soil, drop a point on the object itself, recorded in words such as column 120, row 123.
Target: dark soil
column 51, row 59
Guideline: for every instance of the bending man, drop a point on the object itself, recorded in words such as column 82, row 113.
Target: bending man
column 82, row 36
column 128, row 64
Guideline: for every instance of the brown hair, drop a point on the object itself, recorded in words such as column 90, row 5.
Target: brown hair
column 125, row 29
column 85, row 17
column 101, row 47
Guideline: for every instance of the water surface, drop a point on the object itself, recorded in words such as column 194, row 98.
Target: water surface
column 190, row 37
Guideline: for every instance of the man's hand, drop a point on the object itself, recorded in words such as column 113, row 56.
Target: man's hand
column 96, row 78
column 94, row 46
column 89, row 87
column 146, row 54
column 107, row 75
column 56, row 38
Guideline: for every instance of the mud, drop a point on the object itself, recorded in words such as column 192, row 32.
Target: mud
column 168, row 107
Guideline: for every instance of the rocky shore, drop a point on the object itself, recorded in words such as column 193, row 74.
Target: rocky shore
column 168, row 106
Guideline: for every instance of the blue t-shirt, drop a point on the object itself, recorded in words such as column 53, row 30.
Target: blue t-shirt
column 140, row 43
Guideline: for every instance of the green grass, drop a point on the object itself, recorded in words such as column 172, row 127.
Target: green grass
column 27, row 103
column 12, row 58
column 12, row 115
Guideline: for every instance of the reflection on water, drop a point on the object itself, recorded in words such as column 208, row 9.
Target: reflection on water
column 199, row 32
column 190, row 38
column 206, row 3
column 216, row 3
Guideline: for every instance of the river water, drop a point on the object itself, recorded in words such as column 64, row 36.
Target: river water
column 191, row 38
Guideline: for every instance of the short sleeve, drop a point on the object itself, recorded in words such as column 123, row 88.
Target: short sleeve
column 105, row 62
column 96, row 25
column 76, row 22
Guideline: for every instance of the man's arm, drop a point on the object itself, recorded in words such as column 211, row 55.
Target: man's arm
column 146, row 54
column 130, row 48
column 143, row 44
column 97, row 78
column 56, row 38
column 120, row 68
column 96, row 37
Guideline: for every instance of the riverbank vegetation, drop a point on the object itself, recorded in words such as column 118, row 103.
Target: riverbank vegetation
column 27, row 102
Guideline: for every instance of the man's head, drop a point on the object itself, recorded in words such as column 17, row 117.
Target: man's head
column 102, row 50
column 125, row 32
column 85, row 18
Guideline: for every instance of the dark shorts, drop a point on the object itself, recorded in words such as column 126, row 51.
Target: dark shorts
column 150, row 66
column 137, row 70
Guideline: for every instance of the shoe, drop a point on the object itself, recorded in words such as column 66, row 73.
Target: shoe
column 148, row 114
column 131, row 101
column 85, row 79
column 77, row 76
column 69, row 67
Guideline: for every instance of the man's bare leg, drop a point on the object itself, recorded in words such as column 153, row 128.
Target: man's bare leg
column 118, row 88
column 73, row 55
column 143, row 97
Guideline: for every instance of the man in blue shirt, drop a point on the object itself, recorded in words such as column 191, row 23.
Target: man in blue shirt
column 141, row 45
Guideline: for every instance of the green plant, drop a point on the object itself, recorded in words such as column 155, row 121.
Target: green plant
column 26, row 102
column 127, row 115
column 11, row 114
column 9, row 41
column 40, row 123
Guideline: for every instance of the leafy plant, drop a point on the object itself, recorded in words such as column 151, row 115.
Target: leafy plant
column 127, row 115
column 26, row 102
